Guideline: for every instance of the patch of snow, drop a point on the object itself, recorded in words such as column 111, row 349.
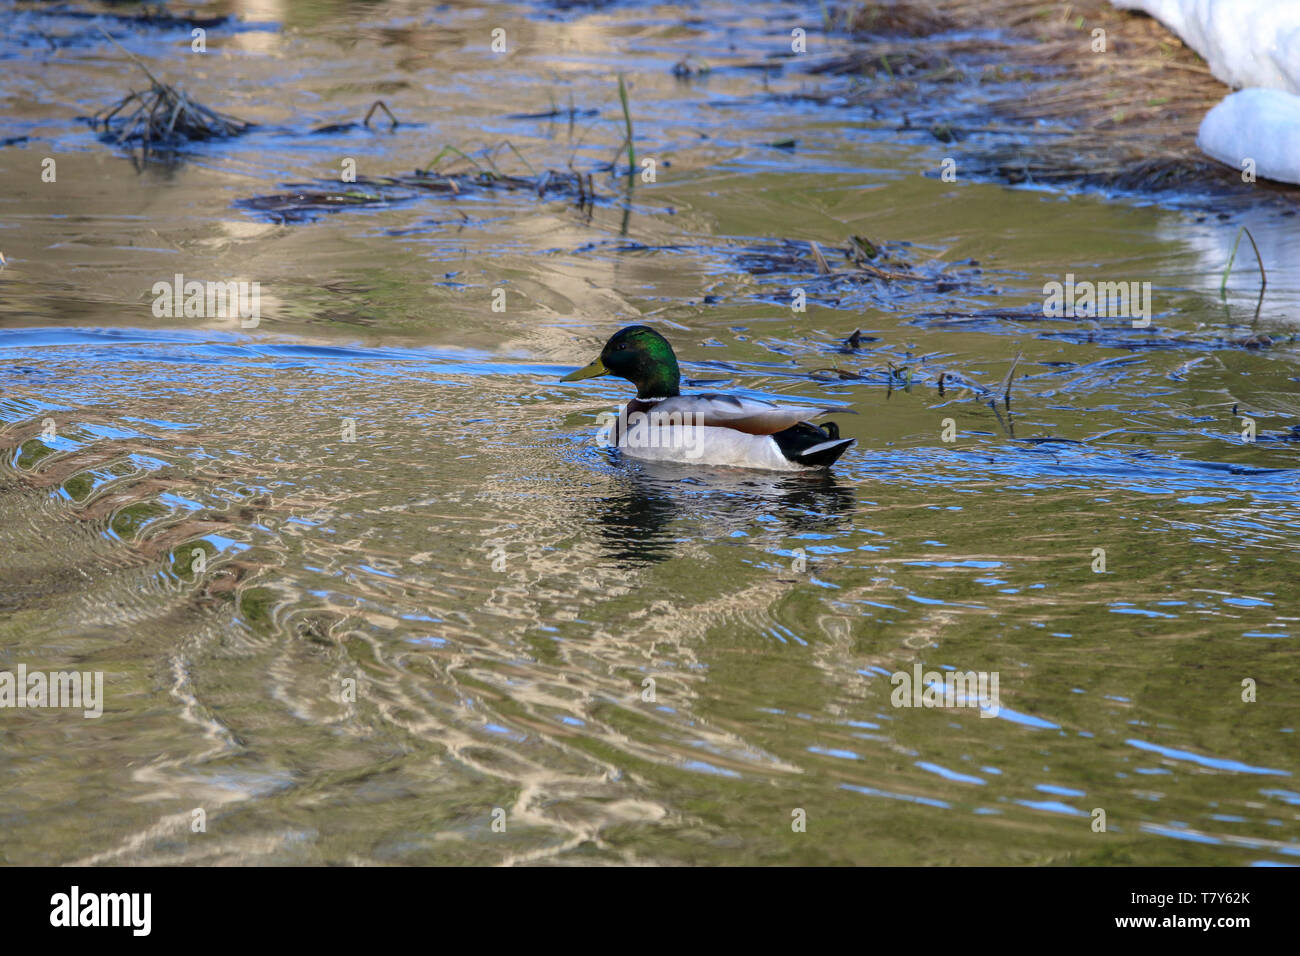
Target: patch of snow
column 1259, row 125
column 1246, row 42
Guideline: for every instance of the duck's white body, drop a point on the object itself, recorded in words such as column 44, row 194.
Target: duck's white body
column 705, row 445
column 710, row 429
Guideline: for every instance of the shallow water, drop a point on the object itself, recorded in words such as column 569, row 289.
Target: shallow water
column 500, row 588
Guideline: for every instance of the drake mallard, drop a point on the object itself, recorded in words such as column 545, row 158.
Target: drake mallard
column 711, row 428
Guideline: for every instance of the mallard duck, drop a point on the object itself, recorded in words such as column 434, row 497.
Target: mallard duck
column 711, row 428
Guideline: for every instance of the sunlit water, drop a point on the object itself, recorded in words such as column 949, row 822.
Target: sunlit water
column 388, row 486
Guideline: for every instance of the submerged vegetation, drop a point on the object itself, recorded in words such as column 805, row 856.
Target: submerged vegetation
column 304, row 202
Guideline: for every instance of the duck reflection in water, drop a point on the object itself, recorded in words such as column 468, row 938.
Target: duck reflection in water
column 636, row 523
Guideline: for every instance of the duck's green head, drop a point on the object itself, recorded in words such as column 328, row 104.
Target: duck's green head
column 643, row 357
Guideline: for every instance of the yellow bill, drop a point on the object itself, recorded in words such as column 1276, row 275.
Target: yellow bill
column 594, row 370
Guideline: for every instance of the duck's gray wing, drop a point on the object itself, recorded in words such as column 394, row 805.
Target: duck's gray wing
column 755, row 416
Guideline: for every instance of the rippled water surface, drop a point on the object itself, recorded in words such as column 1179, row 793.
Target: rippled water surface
column 500, row 589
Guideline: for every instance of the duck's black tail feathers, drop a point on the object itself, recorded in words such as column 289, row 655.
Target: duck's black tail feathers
column 811, row 446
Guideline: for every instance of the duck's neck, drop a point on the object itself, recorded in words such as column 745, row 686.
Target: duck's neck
column 663, row 381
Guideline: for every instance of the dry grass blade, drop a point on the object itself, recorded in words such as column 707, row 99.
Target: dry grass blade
column 1263, row 276
column 823, row 267
column 380, row 105
column 1005, row 386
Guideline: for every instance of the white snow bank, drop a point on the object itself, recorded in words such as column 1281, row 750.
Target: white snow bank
column 1245, row 42
column 1253, row 44
column 1259, row 125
